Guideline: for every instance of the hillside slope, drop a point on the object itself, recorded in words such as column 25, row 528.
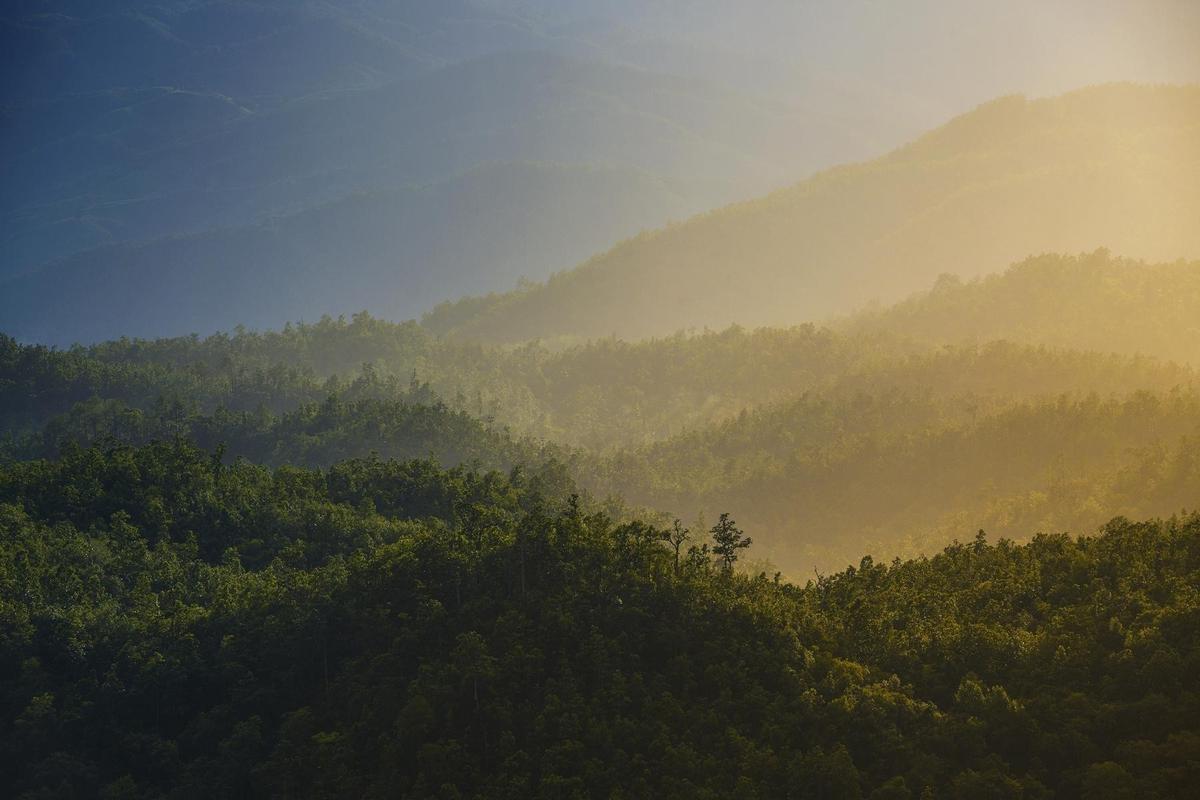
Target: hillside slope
column 610, row 393
column 824, row 478
column 1148, row 309
column 600, row 396
column 1115, row 166
column 634, row 149
column 393, row 250
column 177, row 628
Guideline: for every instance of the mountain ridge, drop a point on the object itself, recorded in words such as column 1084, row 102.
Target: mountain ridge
column 885, row 227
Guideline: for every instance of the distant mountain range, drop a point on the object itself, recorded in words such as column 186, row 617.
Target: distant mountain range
column 397, row 249
column 169, row 167
column 1115, row 166
column 153, row 154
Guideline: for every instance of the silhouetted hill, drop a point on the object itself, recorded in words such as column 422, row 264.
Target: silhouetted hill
column 140, row 174
column 392, row 250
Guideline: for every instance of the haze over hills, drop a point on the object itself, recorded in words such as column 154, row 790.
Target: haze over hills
column 1115, row 166
column 899, row 474
column 363, row 147
column 399, row 248
column 611, row 392
column 503, row 107
column 135, row 123
column 997, row 403
column 1147, row 309
column 590, row 537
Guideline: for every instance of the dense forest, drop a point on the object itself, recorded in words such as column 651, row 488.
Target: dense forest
column 609, row 392
column 622, row 399
column 826, row 479
column 891, row 433
column 347, row 559
column 175, row 626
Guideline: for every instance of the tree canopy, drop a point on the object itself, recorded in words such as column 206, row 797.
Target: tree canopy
column 178, row 627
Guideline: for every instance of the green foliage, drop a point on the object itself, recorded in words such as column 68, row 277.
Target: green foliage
column 827, row 478
column 728, row 539
column 829, row 444
column 599, row 395
column 221, row 573
column 178, row 627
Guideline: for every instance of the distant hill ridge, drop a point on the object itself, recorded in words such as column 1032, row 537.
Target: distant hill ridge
column 1115, row 166
column 1146, row 309
column 135, row 225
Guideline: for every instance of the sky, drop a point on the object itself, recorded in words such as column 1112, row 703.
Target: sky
column 943, row 55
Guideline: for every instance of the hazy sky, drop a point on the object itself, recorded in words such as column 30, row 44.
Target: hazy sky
column 948, row 54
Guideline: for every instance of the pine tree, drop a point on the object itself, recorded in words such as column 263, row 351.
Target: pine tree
column 728, row 540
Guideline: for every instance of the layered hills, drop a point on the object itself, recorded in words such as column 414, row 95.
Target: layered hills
column 894, row 432
column 1112, row 166
column 177, row 153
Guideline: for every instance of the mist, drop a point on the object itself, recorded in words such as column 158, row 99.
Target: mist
column 565, row 399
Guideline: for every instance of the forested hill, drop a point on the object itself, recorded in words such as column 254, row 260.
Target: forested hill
column 1115, row 166
column 1090, row 302
column 603, row 395
column 827, row 447
column 894, row 433
column 852, row 452
column 823, row 479
column 173, row 627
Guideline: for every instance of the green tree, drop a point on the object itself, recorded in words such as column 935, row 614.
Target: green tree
column 728, row 540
